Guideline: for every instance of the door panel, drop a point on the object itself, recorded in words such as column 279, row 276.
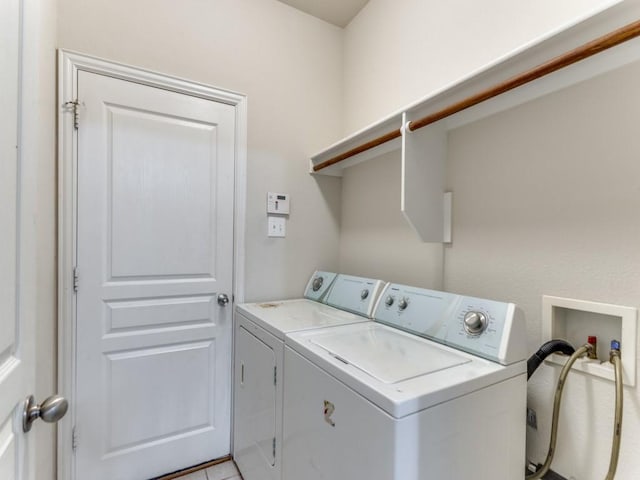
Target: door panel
column 155, row 248
column 148, row 314
column 159, row 371
column 8, row 467
column 16, row 350
column 8, row 191
column 162, row 194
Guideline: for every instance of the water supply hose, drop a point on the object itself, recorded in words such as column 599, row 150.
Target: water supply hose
column 614, row 357
column 585, row 349
column 552, row 346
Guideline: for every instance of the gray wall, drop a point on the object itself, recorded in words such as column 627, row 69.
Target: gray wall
column 398, row 51
column 375, row 239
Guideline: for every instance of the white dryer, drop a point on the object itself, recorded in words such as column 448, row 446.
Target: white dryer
column 330, row 300
column 433, row 389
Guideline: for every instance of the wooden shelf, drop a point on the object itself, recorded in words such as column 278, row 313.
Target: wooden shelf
column 424, row 151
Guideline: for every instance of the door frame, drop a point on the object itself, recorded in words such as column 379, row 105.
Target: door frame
column 69, row 65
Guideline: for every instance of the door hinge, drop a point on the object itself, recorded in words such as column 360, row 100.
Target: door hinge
column 275, row 375
column 274, row 447
column 75, row 279
column 74, row 439
column 73, row 107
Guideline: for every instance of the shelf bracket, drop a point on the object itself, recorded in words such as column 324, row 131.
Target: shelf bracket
column 424, row 202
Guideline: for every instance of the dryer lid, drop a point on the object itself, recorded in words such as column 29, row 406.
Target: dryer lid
column 388, row 355
column 286, row 316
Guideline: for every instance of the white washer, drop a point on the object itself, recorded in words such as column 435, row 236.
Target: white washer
column 259, row 355
column 372, row 401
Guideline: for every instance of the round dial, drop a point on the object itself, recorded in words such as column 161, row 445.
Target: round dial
column 389, row 300
column 317, row 283
column 403, row 303
column 364, row 294
column 475, row 322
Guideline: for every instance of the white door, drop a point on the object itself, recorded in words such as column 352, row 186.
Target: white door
column 16, row 338
column 155, row 201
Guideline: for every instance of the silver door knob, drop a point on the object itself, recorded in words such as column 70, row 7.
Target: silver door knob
column 51, row 410
column 223, row 300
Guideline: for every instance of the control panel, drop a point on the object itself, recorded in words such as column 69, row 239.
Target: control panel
column 489, row 329
column 355, row 294
column 278, row 203
column 318, row 285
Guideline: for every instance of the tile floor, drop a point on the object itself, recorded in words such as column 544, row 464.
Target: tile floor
column 222, row 471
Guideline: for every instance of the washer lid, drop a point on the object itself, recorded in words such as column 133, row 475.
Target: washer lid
column 425, row 373
column 388, row 356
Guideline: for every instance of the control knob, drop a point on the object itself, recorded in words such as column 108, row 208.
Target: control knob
column 364, row 293
column 403, row 303
column 389, row 300
column 317, row 283
column 475, row 322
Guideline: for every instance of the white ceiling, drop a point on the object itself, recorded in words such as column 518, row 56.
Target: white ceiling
column 338, row 12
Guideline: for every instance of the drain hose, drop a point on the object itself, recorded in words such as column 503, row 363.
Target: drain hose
column 556, row 411
column 552, row 346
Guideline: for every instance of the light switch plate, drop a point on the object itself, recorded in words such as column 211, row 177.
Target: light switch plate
column 276, row 226
column 278, row 203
